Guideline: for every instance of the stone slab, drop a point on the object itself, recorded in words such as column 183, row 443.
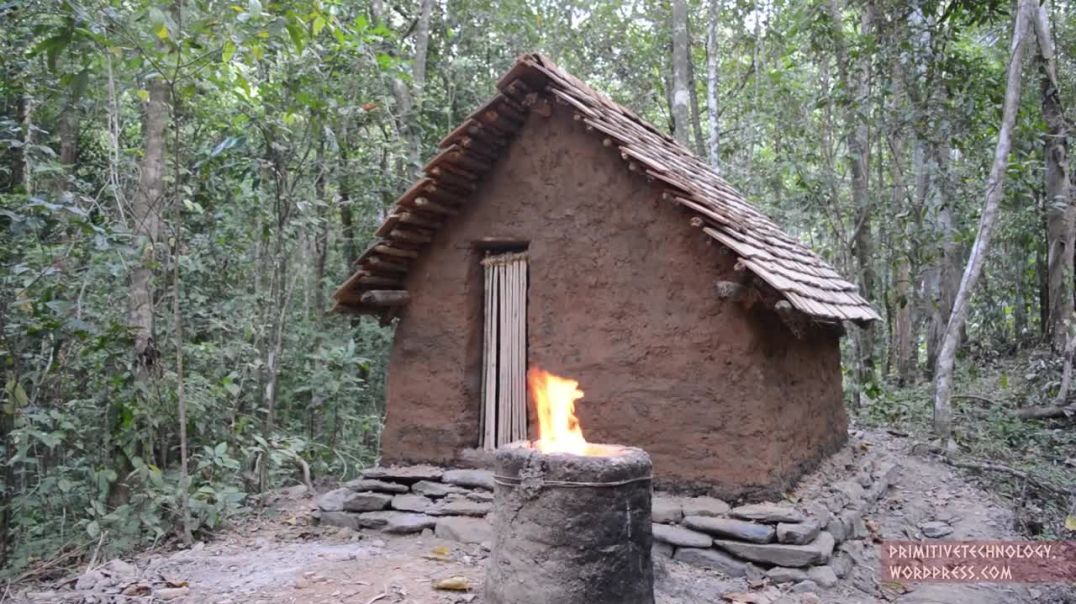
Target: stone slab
column 436, row 490
column 367, row 502
column 410, row 503
column 475, row 479
column 728, row 528
column 460, row 506
column 768, row 512
column 784, row 574
column 341, row 519
column 680, row 536
column 370, row 484
column 711, row 559
column 704, row 506
column 798, row 533
column 405, row 474
column 780, row 554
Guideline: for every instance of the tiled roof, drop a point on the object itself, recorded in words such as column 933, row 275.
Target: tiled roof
column 795, row 272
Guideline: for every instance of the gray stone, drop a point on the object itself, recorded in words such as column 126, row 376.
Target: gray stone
column 410, row 503
column 781, row 554
column 666, row 510
column 661, row 549
column 480, row 479
column 479, row 496
column 731, row 529
column 403, row 523
column 375, row 520
column 680, row 536
column 464, row 530
column 850, row 492
column 835, row 527
column 367, row 502
column 704, row 506
column 753, row 573
column 935, row 529
column 798, row 533
column 822, row 575
column 460, row 506
column 807, row 586
column 333, row 501
column 886, row 472
column 405, row 474
column 369, row 484
column 341, row 519
column 783, row 574
column 712, row 559
column 396, row 522
column 436, row 489
column 842, row 564
column 768, row 512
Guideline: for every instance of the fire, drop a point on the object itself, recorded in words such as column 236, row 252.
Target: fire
column 554, row 401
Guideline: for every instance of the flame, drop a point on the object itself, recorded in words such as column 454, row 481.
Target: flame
column 554, row 401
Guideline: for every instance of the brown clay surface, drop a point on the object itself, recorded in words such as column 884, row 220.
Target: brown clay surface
column 621, row 298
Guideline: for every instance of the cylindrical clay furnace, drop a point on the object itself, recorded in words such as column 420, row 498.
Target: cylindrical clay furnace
column 571, row 529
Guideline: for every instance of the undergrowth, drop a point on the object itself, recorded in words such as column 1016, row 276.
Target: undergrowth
column 988, row 389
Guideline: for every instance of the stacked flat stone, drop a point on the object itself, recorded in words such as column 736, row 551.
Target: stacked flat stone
column 791, row 544
column 455, row 504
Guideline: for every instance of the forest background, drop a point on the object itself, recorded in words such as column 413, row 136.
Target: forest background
column 182, row 185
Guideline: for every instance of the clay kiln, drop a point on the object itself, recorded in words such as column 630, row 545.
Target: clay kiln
column 571, row 528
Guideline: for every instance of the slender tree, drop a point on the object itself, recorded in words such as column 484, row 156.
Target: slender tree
column 1060, row 205
column 681, row 74
column 943, row 373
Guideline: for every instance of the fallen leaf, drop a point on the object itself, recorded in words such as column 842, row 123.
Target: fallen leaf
column 440, row 553
column 453, row 584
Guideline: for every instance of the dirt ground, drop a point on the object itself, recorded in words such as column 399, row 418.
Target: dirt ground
column 281, row 558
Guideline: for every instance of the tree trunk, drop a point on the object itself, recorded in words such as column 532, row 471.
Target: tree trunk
column 945, row 275
column 146, row 211
column 1060, row 207
column 422, row 42
column 696, row 114
column 857, row 136
column 712, row 110
column 943, row 374
column 681, row 72
column 68, row 130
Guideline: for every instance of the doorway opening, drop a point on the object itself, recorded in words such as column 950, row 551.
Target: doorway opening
column 504, row 349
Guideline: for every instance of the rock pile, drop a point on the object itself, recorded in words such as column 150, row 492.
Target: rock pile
column 790, row 544
column 455, row 504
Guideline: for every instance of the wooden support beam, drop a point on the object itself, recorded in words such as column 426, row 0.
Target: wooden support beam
column 379, row 281
column 377, row 263
column 419, row 221
column 443, row 194
column 426, row 205
column 386, row 297
column 452, row 178
column 388, row 250
column 410, row 236
column 469, row 162
column 730, row 290
column 793, row 319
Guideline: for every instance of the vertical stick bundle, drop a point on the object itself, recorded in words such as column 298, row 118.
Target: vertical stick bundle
column 504, row 390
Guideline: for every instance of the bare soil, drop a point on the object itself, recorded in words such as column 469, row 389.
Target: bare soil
column 281, row 558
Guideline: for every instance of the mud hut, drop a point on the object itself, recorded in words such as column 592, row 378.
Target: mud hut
column 557, row 228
